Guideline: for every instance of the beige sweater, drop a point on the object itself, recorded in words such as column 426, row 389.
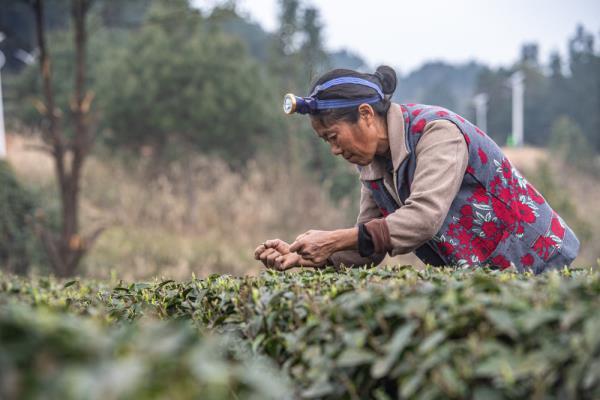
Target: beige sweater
column 442, row 157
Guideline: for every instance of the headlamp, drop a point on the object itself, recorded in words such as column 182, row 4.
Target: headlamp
column 301, row 105
column 311, row 105
column 289, row 104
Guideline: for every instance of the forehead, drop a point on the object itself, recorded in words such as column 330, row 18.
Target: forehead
column 323, row 128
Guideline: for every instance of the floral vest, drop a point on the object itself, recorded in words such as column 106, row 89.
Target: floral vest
column 497, row 218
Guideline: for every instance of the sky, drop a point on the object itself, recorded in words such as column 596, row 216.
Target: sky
column 405, row 34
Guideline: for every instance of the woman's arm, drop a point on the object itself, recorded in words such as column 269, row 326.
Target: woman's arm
column 340, row 246
column 442, row 158
column 368, row 210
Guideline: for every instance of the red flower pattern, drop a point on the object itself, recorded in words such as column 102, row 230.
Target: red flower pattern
column 506, row 169
column 503, row 207
column 525, row 212
column 418, row 126
column 482, row 156
column 556, row 227
column 544, row 246
column 490, row 229
column 464, row 238
column 505, row 195
column 480, row 195
column 466, row 221
column 500, row 261
column 535, row 196
column 527, row 260
column 446, row 248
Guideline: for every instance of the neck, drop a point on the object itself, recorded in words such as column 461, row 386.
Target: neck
column 383, row 143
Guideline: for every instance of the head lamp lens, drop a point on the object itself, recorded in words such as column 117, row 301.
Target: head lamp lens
column 289, row 104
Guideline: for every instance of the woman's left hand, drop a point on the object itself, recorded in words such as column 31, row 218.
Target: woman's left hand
column 315, row 246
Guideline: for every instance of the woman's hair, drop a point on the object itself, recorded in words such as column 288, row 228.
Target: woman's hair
column 384, row 77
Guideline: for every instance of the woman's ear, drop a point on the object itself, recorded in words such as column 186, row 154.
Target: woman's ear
column 366, row 112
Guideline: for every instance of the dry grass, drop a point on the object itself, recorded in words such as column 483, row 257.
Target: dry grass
column 198, row 216
column 201, row 217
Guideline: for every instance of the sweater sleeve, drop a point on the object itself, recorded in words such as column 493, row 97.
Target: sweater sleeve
column 368, row 211
column 442, row 158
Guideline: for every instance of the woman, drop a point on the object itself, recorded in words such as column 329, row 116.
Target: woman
column 431, row 183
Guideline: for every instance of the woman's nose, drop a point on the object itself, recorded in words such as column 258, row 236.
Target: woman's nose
column 336, row 150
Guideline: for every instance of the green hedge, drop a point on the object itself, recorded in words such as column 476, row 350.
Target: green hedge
column 16, row 237
column 46, row 355
column 375, row 333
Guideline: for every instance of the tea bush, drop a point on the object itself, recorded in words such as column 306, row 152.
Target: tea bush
column 390, row 332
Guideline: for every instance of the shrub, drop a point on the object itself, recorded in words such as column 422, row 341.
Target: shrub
column 16, row 236
column 568, row 141
column 371, row 333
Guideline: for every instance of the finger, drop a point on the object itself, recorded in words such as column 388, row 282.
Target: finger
column 271, row 259
column 278, row 264
column 258, row 251
column 308, row 263
column 278, row 245
column 272, row 243
column 290, row 261
column 265, row 254
column 296, row 247
column 300, row 236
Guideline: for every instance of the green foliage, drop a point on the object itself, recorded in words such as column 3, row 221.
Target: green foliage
column 25, row 91
column 16, row 209
column 439, row 83
column 184, row 85
column 575, row 94
column 51, row 355
column 356, row 333
column 568, row 142
column 499, row 120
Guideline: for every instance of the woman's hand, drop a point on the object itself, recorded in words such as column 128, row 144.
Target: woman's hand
column 270, row 250
column 315, row 246
column 275, row 254
column 291, row 260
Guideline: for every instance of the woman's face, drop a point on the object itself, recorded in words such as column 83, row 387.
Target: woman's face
column 356, row 142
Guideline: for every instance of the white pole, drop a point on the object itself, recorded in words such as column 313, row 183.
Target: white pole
column 2, row 135
column 481, row 101
column 518, row 88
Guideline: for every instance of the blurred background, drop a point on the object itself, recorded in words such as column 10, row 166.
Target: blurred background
column 146, row 137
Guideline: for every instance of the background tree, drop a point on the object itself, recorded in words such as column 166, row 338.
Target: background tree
column 195, row 87
column 583, row 101
column 66, row 248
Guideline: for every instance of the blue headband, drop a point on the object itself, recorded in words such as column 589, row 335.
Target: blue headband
column 343, row 80
column 311, row 105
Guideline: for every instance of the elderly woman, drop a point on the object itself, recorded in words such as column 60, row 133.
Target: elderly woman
column 432, row 183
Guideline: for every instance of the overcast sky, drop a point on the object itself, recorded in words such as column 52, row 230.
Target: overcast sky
column 405, row 34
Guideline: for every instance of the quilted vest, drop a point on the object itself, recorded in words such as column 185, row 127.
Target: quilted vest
column 496, row 219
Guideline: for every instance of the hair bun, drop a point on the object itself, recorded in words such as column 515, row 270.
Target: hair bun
column 387, row 77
